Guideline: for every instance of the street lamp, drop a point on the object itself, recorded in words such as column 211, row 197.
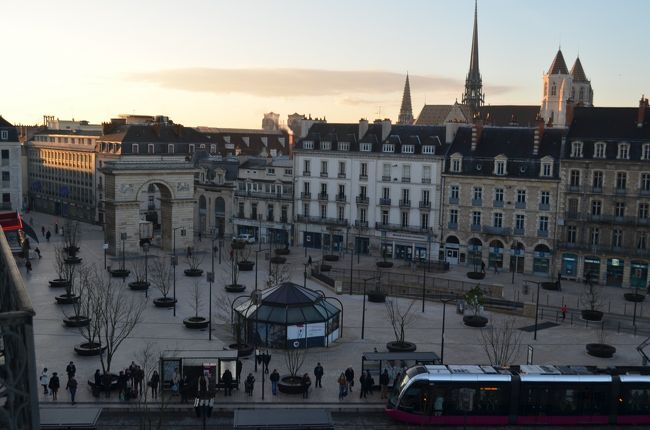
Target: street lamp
column 442, row 338
column 175, row 259
column 536, row 305
column 145, row 248
column 424, row 284
column 123, row 237
column 516, row 248
column 210, row 277
column 363, row 311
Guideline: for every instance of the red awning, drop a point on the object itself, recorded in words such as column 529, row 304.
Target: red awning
column 11, row 221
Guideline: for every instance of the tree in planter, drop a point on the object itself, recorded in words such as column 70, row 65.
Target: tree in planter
column 71, row 237
column 235, row 287
column 82, row 284
column 223, row 308
column 162, row 278
column 194, row 262
column 278, row 275
column 140, row 273
column 601, row 348
column 400, row 318
column 474, row 301
column 91, row 304
column 69, row 274
column 150, row 417
column 292, row 383
column 60, row 266
column 384, row 263
column 501, row 343
column 243, row 261
column 196, row 303
column 591, row 298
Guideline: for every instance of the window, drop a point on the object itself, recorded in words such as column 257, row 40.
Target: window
column 641, row 241
column 385, row 192
column 426, row 174
column 4, row 135
column 364, row 169
column 645, row 151
column 543, row 224
column 366, row 147
column 213, row 149
column 521, row 196
column 405, row 219
column 406, row 173
column 254, row 211
column 326, row 146
column 547, row 169
column 323, row 188
column 384, row 217
column 306, row 171
column 307, row 144
column 597, row 181
column 454, row 192
column 135, row 148
column 576, row 149
column 574, row 178
column 386, row 172
column 498, row 195
column 476, row 218
column 341, row 190
column 571, row 233
column 284, row 214
column 478, row 193
column 428, row 149
column 323, row 211
column 340, row 214
column 305, row 209
column 553, row 89
column 191, row 148
column 619, row 209
column 596, row 207
column 202, row 146
column 453, row 216
column 623, row 151
column 241, row 210
column 405, row 194
column 323, row 168
column 170, row 148
column 520, row 222
column 497, row 220
column 342, row 168
column 645, row 182
column 621, row 180
column 644, row 209
column 599, row 150
column 288, row 172
column 500, row 168
column 270, row 216
column 344, row 146
column 455, row 165
column 617, row 238
column 545, row 198
column 270, row 171
column 408, row 149
column 594, row 236
column 424, row 221
column 306, row 187
column 388, row 147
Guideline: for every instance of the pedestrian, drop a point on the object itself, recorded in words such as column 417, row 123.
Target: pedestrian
column 189, row 252
column 71, row 369
column 175, row 381
column 238, row 368
column 482, row 266
column 266, row 359
column 43, row 230
column 496, row 269
column 349, row 375
column 184, row 388
column 44, row 379
column 139, row 377
column 227, row 382
column 54, row 385
column 71, row 386
column 153, row 383
column 56, row 228
column 563, row 309
column 132, row 368
column 107, row 381
column 305, row 383
column 28, row 266
column 249, row 384
column 318, row 374
column 362, row 385
column 38, row 252
column 62, row 231
column 199, row 236
column 384, row 379
column 309, row 261
column 121, row 385
column 370, row 382
column 275, row 377
column 97, row 383
column 343, row 386
column 48, row 235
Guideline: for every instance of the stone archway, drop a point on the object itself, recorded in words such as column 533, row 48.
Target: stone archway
column 220, row 215
column 125, row 181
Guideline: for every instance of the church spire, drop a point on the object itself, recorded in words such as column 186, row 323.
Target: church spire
column 473, row 96
column 406, row 111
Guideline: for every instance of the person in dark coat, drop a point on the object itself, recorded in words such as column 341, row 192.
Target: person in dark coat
column 71, row 386
column 38, row 252
column 227, row 382
column 384, row 379
column 249, row 384
column 275, row 378
column 305, row 383
column 184, row 388
column 56, row 228
column 97, row 383
column 106, row 384
column 71, row 369
column 318, row 374
column 349, row 375
column 153, row 383
column 362, row 385
column 121, row 385
column 48, row 235
column 54, row 385
column 43, row 230
column 238, row 368
column 370, row 382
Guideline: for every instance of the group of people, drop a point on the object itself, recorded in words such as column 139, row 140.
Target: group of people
column 52, row 384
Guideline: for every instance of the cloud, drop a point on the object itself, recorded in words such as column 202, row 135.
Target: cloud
column 291, row 82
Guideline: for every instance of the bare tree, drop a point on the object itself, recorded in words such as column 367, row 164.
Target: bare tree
column 196, row 301
column 161, row 276
column 80, row 285
column 59, row 263
column 591, row 295
column 222, row 311
column 194, row 261
column 91, row 305
column 71, row 236
column 138, row 269
column 400, row 318
column 501, row 342
column 294, row 359
column 278, row 275
column 150, row 418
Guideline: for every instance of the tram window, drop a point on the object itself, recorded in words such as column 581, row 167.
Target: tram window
column 594, row 400
column 560, row 399
column 534, row 400
column 477, row 399
column 416, row 399
column 636, row 400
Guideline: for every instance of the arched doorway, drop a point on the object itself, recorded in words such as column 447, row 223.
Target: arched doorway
column 541, row 259
column 517, row 257
column 152, row 197
column 475, row 253
column 203, row 204
column 220, row 216
column 452, row 250
column 638, row 274
column 495, row 257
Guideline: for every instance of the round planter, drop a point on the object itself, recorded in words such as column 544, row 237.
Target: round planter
column 290, row 385
column 196, row 323
column 72, row 260
column 193, row 273
column 376, row 296
column 120, row 273
column 634, row 297
column 282, row 251
column 384, row 264
column 589, row 315
column 243, row 349
column 237, row 244
column 601, row 350
column 59, row 283
column 67, row 299
column 245, row 266
column 87, row 349
column 139, row 285
column 234, row 288
column 331, row 257
column 475, row 321
column 71, row 250
column 401, row 346
column 164, row 302
column 551, row 286
column 475, row 275
column 325, row 267
column 278, row 260
column 79, row 321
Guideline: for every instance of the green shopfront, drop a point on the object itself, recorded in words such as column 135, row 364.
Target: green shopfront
column 638, row 274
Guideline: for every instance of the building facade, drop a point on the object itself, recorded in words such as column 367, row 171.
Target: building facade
column 605, row 203
column 11, row 184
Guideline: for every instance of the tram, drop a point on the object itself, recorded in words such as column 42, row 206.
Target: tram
column 521, row 395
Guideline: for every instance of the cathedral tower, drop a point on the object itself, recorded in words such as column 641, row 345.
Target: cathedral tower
column 557, row 90
column 581, row 92
column 473, row 96
column 406, row 111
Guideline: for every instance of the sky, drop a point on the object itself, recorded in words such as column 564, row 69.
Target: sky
column 225, row 63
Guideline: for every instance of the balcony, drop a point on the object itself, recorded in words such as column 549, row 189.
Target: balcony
column 518, row 231
column 520, row 205
column 263, row 195
column 306, row 173
column 477, row 202
column 405, row 203
column 497, row 203
column 361, row 224
column 385, row 178
column 403, row 228
column 426, row 180
column 475, row 227
column 240, row 215
column 5, row 206
column 323, row 174
column 341, row 175
column 452, row 226
column 544, row 207
column 573, row 188
column 363, row 177
column 425, row 205
column 341, row 198
column 645, row 193
column 406, row 180
column 384, row 202
column 321, row 220
column 597, row 189
column 453, row 200
column 305, row 196
column 323, row 196
column 284, row 219
column 362, row 200
column 497, row 231
column 542, row 233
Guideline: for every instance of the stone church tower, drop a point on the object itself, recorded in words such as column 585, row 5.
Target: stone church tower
column 473, row 95
column 406, row 111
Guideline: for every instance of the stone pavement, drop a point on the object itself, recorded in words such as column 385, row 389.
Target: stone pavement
column 564, row 344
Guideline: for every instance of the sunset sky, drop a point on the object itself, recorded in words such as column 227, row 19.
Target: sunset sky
column 225, row 63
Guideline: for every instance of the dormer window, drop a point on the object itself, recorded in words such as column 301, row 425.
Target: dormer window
column 645, row 151
column 576, row 149
column 599, row 150
column 408, row 149
column 213, row 149
column 623, row 151
column 456, row 164
column 307, row 144
column 388, row 147
column 553, row 89
column 170, row 148
column 150, row 148
column 366, row 147
column 135, row 148
column 202, row 146
column 4, row 135
column 500, row 166
column 344, row 146
column 546, row 170
column 429, row 149
column 326, row 146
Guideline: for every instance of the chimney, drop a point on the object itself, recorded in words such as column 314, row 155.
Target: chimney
column 643, row 106
column 477, row 130
column 569, row 112
column 539, row 134
column 363, row 128
column 385, row 129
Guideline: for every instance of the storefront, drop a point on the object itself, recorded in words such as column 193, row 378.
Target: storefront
column 311, row 240
column 333, row 242
column 614, row 276
column 541, row 260
column 475, row 253
column 495, row 257
column 591, row 269
column 638, row 274
column 517, row 257
column 408, row 247
column 278, row 236
column 362, row 245
column 452, row 250
column 569, row 265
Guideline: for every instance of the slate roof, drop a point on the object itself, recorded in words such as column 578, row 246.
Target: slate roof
column 253, row 143
column 503, row 115
column 434, row 114
column 212, row 163
column 608, row 123
column 577, row 72
column 558, row 67
column 7, row 126
column 4, row 123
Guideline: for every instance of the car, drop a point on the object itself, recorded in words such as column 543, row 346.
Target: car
column 248, row 238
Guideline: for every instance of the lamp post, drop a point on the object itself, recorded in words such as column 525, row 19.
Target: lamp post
column 516, row 248
column 363, row 311
column 145, row 248
column 442, row 338
column 424, row 284
column 175, row 259
column 123, row 236
column 210, row 277
column 536, row 306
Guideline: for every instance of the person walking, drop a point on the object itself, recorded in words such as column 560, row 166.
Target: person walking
column 106, row 384
column 44, row 379
column 71, row 386
column 227, row 382
column 199, row 236
column 482, row 266
column 121, row 385
column 238, row 368
column 384, row 379
column 71, row 369
column 153, row 383
column 349, row 375
column 563, row 309
column 28, row 266
column 43, row 230
column 54, row 385
column 97, row 383
column 249, row 384
column 343, row 386
column 48, row 235
column 275, row 378
column 362, row 385
column 139, row 377
column 38, row 252
column 318, row 374
column 56, row 228
column 370, row 382
column 305, row 383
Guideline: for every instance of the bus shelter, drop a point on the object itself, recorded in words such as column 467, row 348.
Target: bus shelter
column 395, row 362
column 195, row 364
